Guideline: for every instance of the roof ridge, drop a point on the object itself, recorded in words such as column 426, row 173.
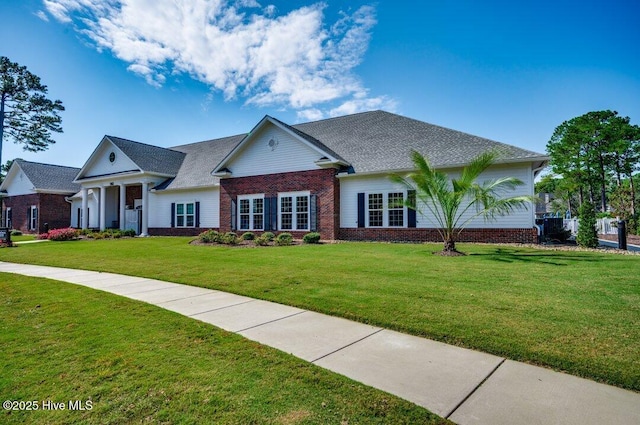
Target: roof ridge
column 139, row 143
column 341, row 116
column 19, row 160
column 210, row 140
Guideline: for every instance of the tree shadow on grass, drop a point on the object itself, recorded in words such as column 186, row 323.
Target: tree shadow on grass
column 555, row 258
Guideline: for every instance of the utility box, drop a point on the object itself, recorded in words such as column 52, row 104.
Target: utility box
column 5, row 236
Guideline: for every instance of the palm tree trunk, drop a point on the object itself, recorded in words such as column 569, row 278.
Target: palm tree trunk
column 449, row 245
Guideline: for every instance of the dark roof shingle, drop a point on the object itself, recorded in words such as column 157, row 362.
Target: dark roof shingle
column 50, row 177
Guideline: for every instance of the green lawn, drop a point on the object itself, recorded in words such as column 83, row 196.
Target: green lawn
column 137, row 363
column 23, row 238
column 573, row 311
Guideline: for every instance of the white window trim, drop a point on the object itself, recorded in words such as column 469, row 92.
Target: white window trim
column 294, row 212
column 385, row 209
column 33, row 219
column 251, row 198
column 185, row 215
column 7, row 213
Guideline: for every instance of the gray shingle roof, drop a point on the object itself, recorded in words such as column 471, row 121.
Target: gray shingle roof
column 379, row 141
column 199, row 160
column 50, row 177
column 150, row 158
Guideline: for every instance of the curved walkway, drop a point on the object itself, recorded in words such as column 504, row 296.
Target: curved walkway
column 465, row 386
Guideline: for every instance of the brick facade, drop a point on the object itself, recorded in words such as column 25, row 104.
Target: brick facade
column 176, row 231
column 321, row 183
column 132, row 193
column 431, row 235
column 53, row 210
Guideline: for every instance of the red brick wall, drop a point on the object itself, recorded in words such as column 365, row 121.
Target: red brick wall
column 431, row 235
column 322, row 183
column 133, row 193
column 55, row 211
column 52, row 209
column 176, row 231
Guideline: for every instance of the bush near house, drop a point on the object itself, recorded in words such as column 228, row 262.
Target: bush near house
column 313, row 237
column 248, row 236
column 66, row 234
column 284, row 239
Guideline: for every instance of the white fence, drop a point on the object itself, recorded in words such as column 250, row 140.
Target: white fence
column 606, row 226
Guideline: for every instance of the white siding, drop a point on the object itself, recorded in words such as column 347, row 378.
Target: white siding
column 92, row 203
column 19, row 185
column 521, row 218
column 100, row 164
column 258, row 158
column 160, row 206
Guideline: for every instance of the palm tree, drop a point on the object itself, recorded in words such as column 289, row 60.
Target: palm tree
column 447, row 201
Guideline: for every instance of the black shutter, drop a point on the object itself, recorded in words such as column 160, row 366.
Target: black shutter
column 10, row 218
column 274, row 213
column 173, row 215
column 313, row 213
column 233, row 215
column 411, row 209
column 197, row 214
column 360, row 209
column 266, row 221
column 29, row 218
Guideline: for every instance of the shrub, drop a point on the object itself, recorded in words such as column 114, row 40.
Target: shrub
column 587, row 233
column 65, row 234
column 284, row 239
column 269, row 236
column 261, row 241
column 97, row 235
column 16, row 233
column 209, row 236
column 248, row 236
column 129, row 233
column 230, row 238
column 313, row 237
column 43, row 236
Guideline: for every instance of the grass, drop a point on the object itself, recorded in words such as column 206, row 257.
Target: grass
column 577, row 312
column 23, row 238
column 138, row 363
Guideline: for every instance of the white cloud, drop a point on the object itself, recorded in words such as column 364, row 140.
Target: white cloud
column 238, row 47
column 40, row 14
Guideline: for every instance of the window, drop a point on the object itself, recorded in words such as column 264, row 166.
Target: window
column 33, row 217
column 7, row 217
column 294, row 211
column 251, row 212
column 186, row 215
column 386, row 209
column 396, row 209
column 375, row 210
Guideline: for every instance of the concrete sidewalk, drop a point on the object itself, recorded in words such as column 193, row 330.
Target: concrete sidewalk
column 465, row 386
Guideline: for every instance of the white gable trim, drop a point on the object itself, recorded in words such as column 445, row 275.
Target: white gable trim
column 324, row 158
column 12, row 174
column 94, row 156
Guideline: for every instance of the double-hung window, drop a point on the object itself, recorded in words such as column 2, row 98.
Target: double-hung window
column 33, row 217
column 251, row 212
column 294, row 211
column 186, row 214
column 386, row 209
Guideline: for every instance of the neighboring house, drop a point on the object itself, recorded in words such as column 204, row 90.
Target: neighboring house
column 34, row 196
column 329, row 176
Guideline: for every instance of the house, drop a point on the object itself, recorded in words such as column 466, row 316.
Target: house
column 34, row 196
column 329, row 176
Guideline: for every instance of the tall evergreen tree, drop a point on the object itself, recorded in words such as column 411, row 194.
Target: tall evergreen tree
column 27, row 116
column 587, row 233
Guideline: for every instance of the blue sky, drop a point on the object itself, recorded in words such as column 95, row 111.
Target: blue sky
column 157, row 73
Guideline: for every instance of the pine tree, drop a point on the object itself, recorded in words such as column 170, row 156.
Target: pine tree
column 587, row 233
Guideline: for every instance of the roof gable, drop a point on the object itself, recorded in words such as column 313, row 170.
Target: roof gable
column 275, row 147
column 117, row 156
column 26, row 177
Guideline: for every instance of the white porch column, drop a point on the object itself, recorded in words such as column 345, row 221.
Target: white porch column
column 145, row 209
column 123, row 201
column 103, row 209
column 85, row 207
